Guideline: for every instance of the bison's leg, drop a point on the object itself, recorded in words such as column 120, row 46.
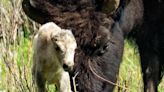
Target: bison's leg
column 39, row 81
column 161, row 51
column 64, row 82
column 150, row 69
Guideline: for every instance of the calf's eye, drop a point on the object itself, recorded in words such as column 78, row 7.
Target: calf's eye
column 57, row 48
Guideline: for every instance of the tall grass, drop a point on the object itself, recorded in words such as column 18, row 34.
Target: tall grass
column 130, row 71
column 15, row 48
column 16, row 34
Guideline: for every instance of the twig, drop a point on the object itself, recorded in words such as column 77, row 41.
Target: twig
column 74, row 82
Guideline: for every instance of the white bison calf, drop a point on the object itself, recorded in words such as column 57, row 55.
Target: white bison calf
column 54, row 48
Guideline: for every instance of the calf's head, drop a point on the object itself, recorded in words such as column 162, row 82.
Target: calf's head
column 60, row 43
column 65, row 45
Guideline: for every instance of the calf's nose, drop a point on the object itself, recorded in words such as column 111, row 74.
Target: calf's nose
column 67, row 67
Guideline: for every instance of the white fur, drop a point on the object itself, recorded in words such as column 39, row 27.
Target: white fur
column 48, row 61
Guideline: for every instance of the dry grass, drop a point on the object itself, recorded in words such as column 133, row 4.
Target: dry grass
column 15, row 48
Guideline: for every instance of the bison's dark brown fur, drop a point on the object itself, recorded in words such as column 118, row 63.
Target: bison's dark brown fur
column 100, row 37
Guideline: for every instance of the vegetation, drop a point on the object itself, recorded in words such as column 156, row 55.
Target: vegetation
column 16, row 34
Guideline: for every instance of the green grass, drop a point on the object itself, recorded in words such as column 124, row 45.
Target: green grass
column 130, row 71
column 16, row 67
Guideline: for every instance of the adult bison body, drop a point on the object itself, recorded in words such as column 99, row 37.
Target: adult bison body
column 100, row 28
